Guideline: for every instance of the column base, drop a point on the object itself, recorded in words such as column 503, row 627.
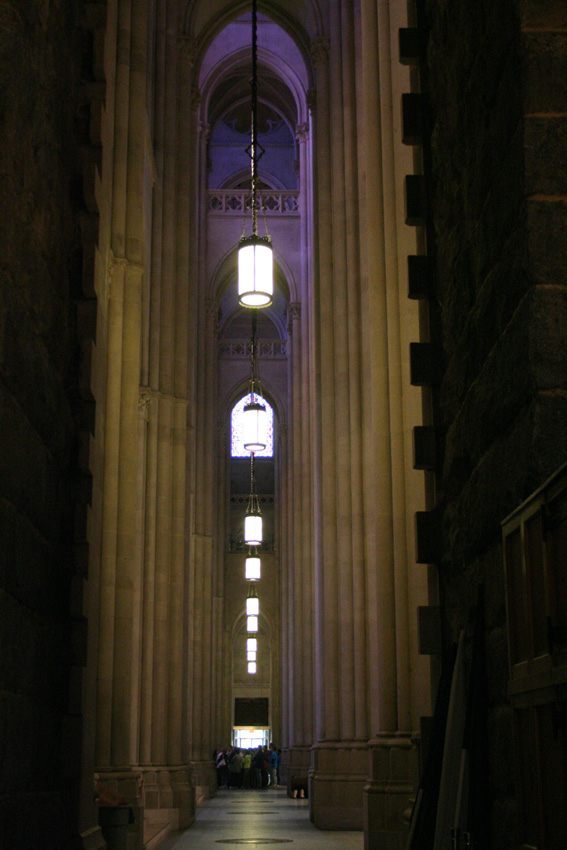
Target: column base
column 394, row 773
column 121, row 792
column 169, row 799
column 298, row 770
column 337, row 778
column 204, row 780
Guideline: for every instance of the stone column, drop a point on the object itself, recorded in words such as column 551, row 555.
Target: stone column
column 118, row 669
column 299, row 580
column 283, row 548
column 390, row 407
column 203, row 561
column 362, row 506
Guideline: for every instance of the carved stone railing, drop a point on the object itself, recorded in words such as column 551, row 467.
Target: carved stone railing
column 239, row 349
column 237, row 201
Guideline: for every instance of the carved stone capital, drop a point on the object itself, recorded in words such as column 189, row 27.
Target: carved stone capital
column 319, row 49
column 302, row 132
column 294, row 310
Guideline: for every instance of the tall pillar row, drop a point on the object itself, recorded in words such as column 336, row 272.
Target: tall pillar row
column 298, row 609
column 369, row 679
column 141, row 731
column 121, row 503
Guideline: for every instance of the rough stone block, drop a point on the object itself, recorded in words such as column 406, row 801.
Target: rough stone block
column 424, row 447
column 547, row 236
column 429, row 630
column 410, row 45
column 427, row 537
column 424, row 364
column 415, row 194
column 545, row 144
column 545, row 70
column 413, row 118
column 420, row 276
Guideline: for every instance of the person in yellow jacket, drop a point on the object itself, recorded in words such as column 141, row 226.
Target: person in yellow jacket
column 245, row 769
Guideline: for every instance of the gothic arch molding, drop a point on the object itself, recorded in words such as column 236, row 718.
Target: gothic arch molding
column 304, row 23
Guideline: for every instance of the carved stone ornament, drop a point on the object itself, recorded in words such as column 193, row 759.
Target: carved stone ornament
column 144, row 402
column 294, row 310
column 302, row 132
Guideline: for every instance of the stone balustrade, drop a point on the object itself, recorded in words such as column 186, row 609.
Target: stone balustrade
column 237, row 201
column 239, row 349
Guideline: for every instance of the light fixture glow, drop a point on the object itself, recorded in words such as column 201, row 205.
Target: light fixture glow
column 252, row 568
column 253, row 529
column 251, row 666
column 252, row 624
column 255, row 425
column 253, row 606
column 255, row 255
column 255, row 271
column 251, row 644
column 251, row 656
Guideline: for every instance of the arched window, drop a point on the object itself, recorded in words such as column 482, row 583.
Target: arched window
column 236, row 425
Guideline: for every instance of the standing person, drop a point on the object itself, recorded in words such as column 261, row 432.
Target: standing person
column 245, row 770
column 221, row 768
column 278, row 766
column 235, row 769
column 265, row 765
column 257, row 761
column 273, row 766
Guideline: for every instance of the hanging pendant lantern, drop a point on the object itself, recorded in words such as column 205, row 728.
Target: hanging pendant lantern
column 255, row 255
column 251, row 666
column 252, row 602
column 255, row 425
column 253, row 528
column 252, row 568
column 255, row 271
column 251, row 644
column 251, row 656
column 253, row 517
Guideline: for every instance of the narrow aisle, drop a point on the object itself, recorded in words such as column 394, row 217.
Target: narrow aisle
column 259, row 819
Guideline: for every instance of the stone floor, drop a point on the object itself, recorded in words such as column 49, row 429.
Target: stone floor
column 241, row 819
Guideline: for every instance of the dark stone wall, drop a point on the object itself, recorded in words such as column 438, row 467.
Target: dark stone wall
column 41, row 52
column 496, row 83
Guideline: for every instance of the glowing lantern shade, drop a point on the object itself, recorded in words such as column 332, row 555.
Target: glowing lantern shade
column 251, row 644
column 255, row 271
column 251, row 656
column 252, row 603
column 251, row 666
column 252, row 624
column 253, row 529
column 252, row 568
column 255, row 425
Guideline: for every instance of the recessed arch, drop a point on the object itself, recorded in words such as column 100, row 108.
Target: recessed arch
column 234, row 71
column 302, row 20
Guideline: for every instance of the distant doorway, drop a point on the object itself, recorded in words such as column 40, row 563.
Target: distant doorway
column 250, row 739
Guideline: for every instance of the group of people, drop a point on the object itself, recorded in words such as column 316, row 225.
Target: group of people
column 238, row 768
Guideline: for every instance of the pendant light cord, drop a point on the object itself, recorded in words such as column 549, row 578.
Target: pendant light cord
column 254, row 140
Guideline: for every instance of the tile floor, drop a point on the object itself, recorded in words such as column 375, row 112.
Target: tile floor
column 265, row 819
